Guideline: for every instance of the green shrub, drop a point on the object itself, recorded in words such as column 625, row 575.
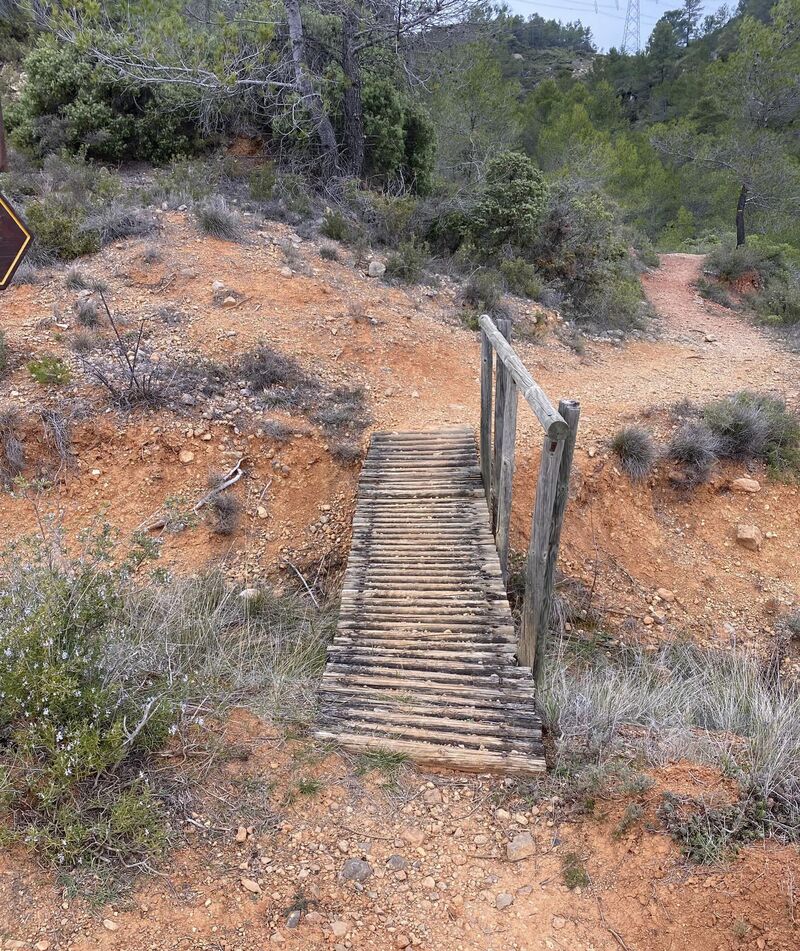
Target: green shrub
column 779, row 302
column 521, row 277
column 328, row 252
column 711, row 290
column 64, row 726
column 293, row 193
column 59, row 225
column 335, row 226
column 511, row 205
column 483, row 290
column 756, row 426
column 3, row 354
column 262, row 182
column 67, row 101
column 731, row 264
column 50, row 371
column 408, row 262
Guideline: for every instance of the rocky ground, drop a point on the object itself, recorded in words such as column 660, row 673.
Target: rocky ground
column 378, row 858
column 450, row 862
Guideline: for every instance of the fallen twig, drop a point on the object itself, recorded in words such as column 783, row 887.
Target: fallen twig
column 229, row 479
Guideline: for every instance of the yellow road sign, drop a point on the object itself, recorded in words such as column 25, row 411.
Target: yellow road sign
column 15, row 239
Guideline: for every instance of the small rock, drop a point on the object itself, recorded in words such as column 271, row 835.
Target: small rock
column 293, row 920
column 340, row 928
column 376, row 269
column 355, row 870
column 433, row 797
column 229, row 301
column 110, row 925
column 413, row 836
column 314, row 918
column 248, row 594
column 250, row 886
column 277, row 938
column 520, row 847
column 749, row 536
column 746, row 485
column 261, row 512
column 241, row 832
column 286, row 272
column 665, row 594
column 186, row 456
column 429, row 883
column 558, row 922
column 396, row 863
column 42, row 945
column 217, row 286
column 503, row 900
column 402, row 941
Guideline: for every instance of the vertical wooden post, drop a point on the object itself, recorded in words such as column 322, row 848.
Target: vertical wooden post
column 506, row 481
column 3, row 150
column 571, row 411
column 486, row 417
column 502, row 378
column 536, row 608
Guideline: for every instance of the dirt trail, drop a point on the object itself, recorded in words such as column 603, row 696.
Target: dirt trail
column 449, row 885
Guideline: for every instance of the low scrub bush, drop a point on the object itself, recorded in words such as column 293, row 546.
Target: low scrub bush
column 50, row 371
column 756, row 426
column 117, row 220
column 750, row 260
column 59, row 225
column 97, row 674
column 408, row 262
column 483, row 291
column 696, row 447
column 328, row 252
column 12, row 448
column 635, row 450
column 267, row 370
column 713, row 707
column 216, row 219
column 521, row 277
column 86, row 313
column 69, row 102
column 262, row 182
column 335, row 226
column 779, row 302
column 713, row 291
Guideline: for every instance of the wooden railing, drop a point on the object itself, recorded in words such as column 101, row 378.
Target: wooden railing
column 498, row 437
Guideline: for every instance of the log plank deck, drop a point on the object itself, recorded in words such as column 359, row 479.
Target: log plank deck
column 424, row 659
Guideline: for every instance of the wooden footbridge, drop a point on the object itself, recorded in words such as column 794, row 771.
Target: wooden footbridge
column 426, row 661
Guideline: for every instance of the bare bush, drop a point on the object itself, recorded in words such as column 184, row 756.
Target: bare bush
column 12, row 447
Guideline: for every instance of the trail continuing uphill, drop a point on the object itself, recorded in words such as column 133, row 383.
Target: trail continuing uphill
column 704, row 351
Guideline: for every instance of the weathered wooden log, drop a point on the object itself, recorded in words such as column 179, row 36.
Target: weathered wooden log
column 553, row 423
column 571, row 411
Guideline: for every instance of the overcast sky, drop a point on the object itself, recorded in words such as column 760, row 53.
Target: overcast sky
column 606, row 18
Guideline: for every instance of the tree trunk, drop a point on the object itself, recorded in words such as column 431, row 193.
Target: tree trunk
column 353, row 110
column 3, row 152
column 740, row 235
column 322, row 123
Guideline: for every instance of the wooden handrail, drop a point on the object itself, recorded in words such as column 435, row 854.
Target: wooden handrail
column 553, row 423
column 497, row 470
